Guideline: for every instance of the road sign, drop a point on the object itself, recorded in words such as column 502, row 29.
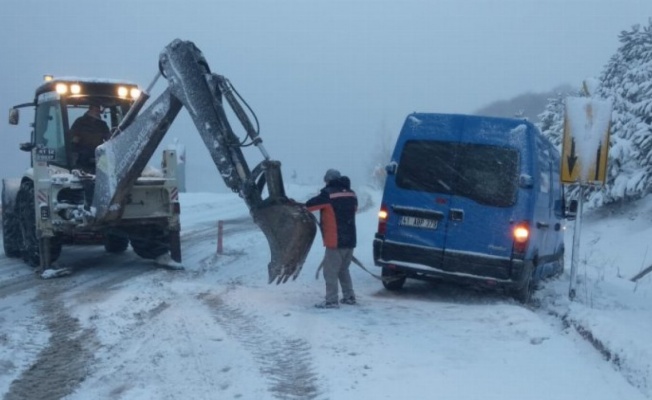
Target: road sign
column 585, row 144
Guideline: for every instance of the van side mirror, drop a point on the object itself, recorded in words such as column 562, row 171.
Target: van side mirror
column 571, row 213
column 14, row 116
column 573, row 206
column 526, row 181
column 26, row 146
column 391, row 168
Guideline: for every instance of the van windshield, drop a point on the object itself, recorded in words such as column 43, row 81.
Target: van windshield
column 483, row 173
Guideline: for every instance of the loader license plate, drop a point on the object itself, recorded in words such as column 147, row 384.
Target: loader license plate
column 418, row 222
column 45, row 154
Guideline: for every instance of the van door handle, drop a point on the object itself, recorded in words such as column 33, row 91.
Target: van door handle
column 542, row 225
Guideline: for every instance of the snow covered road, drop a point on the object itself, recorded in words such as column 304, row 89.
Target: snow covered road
column 119, row 328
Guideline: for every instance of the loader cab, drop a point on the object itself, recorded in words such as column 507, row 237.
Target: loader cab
column 60, row 102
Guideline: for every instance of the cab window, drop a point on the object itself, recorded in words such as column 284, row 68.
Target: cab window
column 49, row 132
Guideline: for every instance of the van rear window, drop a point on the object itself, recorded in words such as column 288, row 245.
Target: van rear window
column 483, row 173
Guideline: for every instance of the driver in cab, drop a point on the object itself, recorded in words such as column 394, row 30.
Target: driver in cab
column 88, row 132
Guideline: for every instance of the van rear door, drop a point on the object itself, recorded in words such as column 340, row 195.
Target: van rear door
column 484, row 203
column 418, row 197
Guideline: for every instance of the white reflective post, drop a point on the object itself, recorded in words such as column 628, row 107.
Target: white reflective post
column 576, row 244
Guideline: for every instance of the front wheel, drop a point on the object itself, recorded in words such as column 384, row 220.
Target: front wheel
column 11, row 236
column 30, row 249
column 392, row 280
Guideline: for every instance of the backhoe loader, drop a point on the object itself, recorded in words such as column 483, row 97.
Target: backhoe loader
column 121, row 200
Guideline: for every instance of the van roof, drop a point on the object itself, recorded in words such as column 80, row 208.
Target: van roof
column 476, row 127
column 423, row 117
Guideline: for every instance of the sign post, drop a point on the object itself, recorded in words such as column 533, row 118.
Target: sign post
column 585, row 148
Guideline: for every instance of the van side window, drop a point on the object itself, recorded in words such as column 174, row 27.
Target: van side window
column 545, row 180
column 483, row 173
column 544, row 165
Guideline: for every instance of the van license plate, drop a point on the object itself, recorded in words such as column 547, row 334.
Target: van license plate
column 419, row 222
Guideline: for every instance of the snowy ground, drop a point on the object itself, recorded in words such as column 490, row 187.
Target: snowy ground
column 118, row 328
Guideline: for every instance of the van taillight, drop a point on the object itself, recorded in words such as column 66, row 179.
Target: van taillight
column 521, row 233
column 382, row 219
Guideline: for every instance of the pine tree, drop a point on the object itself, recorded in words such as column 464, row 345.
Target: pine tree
column 627, row 82
column 552, row 120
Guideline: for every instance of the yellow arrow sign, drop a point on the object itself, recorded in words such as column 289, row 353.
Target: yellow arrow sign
column 585, row 145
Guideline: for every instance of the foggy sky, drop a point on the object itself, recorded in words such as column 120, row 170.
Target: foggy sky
column 327, row 78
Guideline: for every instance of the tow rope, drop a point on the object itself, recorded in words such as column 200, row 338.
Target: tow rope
column 359, row 264
column 353, row 259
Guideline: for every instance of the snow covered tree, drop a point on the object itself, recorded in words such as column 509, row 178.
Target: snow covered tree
column 552, row 119
column 627, row 81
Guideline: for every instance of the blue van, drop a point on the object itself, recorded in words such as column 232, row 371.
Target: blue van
column 471, row 199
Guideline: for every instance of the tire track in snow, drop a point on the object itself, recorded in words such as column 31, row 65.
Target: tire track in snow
column 284, row 361
column 88, row 264
column 63, row 364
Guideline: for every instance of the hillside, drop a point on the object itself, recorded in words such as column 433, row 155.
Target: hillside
column 528, row 105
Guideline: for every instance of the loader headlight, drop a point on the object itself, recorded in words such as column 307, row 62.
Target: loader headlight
column 123, row 91
column 134, row 93
column 75, row 88
column 131, row 92
column 62, row 88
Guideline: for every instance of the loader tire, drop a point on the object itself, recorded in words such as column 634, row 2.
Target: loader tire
column 115, row 243
column 11, row 236
column 150, row 242
column 27, row 221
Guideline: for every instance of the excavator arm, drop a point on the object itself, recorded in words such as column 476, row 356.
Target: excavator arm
column 289, row 228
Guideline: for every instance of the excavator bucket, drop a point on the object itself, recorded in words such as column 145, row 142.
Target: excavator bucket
column 290, row 230
column 289, row 227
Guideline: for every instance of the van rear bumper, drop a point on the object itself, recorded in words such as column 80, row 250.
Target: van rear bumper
column 420, row 262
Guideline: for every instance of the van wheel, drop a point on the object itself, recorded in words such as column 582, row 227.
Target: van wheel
column 393, row 280
column 524, row 293
column 559, row 265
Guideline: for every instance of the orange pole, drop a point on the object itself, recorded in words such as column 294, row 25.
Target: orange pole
column 220, row 233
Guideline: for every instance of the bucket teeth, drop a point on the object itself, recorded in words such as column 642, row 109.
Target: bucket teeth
column 290, row 230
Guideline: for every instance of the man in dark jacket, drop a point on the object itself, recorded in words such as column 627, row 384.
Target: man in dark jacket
column 337, row 205
column 88, row 132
